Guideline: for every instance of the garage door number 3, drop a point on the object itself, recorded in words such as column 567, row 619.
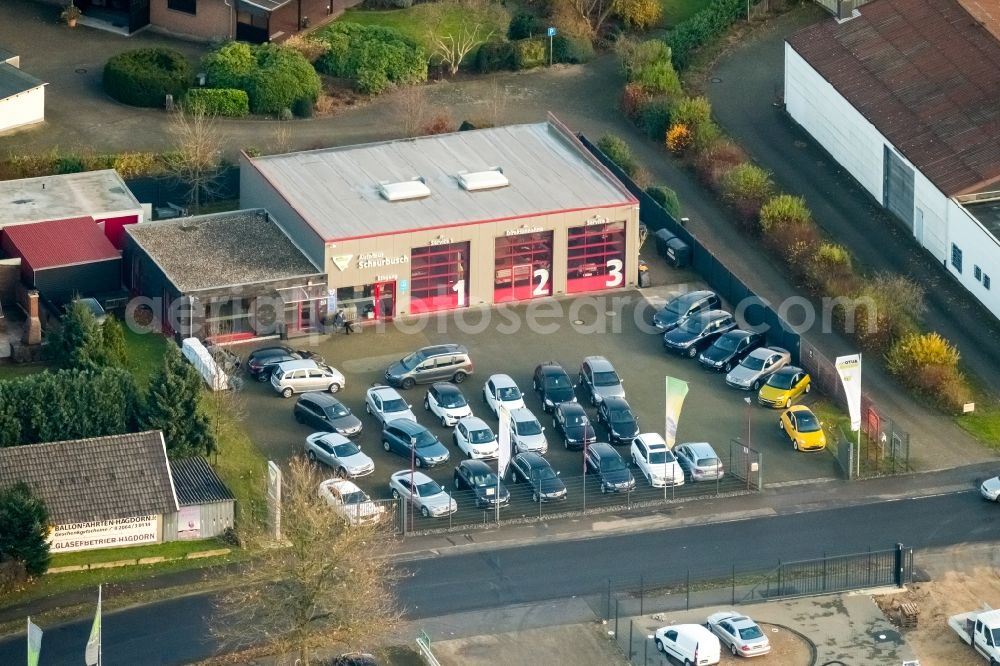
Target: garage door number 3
column 615, row 275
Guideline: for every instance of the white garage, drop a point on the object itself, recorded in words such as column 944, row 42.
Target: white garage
column 906, row 96
column 22, row 96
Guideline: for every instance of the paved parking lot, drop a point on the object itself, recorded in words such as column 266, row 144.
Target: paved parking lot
column 513, row 340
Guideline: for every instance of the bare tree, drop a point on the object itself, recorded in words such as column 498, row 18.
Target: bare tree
column 452, row 42
column 410, row 107
column 496, row 102
column 328, row 585
column 594, row 12
column 197, row 156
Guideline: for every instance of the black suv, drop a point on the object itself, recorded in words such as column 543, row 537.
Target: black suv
column 677, row 311
column 475, row 475
column 617, row 416
column 538, row 473
column 603, row 460
column 698, row 332
column 730, row 348
column 571, row 421
column 553, row 385
column 262, row 361
column 327, row 414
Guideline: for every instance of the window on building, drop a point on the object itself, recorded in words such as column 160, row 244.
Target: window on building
column 977, row 273
column 186, row 6
column 986, row 281
column 956, row 257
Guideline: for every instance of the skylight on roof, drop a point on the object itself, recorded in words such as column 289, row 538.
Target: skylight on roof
column 405, row 190
column 491, row 179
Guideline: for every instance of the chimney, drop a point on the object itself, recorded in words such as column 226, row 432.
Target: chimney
column 33, row 330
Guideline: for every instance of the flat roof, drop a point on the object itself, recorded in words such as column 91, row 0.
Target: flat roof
column 926, row 74
column 337, row 190
column 14, row 81
column 988, row 214
column 221, row 250
column 77, row 240
column 63, row 196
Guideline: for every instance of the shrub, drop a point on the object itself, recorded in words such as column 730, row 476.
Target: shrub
column 494, row 56
column 69, row 164
column 883, row 311
column 309, row 47
column 746, row 187
column 273, row 77
column 442, row 123
column 678, row 138
column 654, row 117
column 530, row 53
column 229, row 66
column 795, row 245
column 638, row 14
column 144, row 77
column 374, row 57
column 693, row 111
column 829, row 270
column 647, row 64
column 571, row 50
column 523, row 26
column 227, row 102
column 617, row 151
column 783, row 210
column 666, row 197
column 704, row 26
column 712, row 162
column 130, row 165
column 633, row 97
column 928, row 363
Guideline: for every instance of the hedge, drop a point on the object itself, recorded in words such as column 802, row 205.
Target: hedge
column 530, row 53
column 274, row 78
column 227, row 102
column 494, row 56
column 704, row 26
column 374, row 57
column 144, row 77
column 524, row 26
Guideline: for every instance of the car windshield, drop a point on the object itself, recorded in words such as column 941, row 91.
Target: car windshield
column 753, row 363
column 728, row 342
column 481, row 436
column 612, row 465
column 557, row 382
column 707, row 462
column 606, row 379
column 750, row 633
column 675, row 307
column 576, row 419
column 532, row 427
column 425, row 439
column 428, row 489
column 508, row 393
column 394, row 405
column 480, row 480
column 542, row 473
column 411, row 361
column 782, row 380
column 337, row 411
column 661, row 457
column 622, row 416
column 692, row 326
column 346, row 449
column 806, row 422
column 357, row 497
column 451, row 401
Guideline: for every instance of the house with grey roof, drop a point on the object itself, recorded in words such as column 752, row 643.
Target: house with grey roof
column 22, row 96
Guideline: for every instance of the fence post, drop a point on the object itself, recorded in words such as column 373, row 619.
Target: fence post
column 779, row 578
column 899, row 565
column 824, row 572
column 631, row 623
column 585, row 489
column 616, row 619
column 642, row 592
column 608, row 614
column 734, row 583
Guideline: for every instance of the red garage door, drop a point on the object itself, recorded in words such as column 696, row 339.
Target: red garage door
column 596, row 257
column 438, row 277
column 523, row 267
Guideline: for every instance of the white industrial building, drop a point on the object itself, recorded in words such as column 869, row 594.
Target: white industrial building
column 22, row 96
column 905, row 95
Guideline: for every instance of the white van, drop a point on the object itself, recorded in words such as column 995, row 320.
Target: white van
column 690, row 644
column 305, row 375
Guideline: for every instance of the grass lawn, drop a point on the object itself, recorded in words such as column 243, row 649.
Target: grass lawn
column 171, row 549
column 15, row 370
column 238, row 462
column 145, row 354
column 419, row 21
column 675, row 11
column 984, row 424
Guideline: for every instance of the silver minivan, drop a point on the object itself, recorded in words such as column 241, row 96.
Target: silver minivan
column 437, row 363
column 305, row 375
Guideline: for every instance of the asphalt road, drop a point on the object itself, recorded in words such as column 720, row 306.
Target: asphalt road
column 174, row 632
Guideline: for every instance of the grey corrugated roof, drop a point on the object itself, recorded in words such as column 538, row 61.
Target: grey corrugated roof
column 14, row 80
column 197, row 483
column 64, row 195
column 336, row 190
column 221, row 250
column 99, row 478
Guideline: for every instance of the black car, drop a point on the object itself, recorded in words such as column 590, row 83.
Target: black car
column 730, row 348
column 698, row 332
column 546, row 486
column 572, row 423
column 553, row 385
column 327, row 414
column 475, row 475
column 262, row 361
column 677, row 311
column 617, row 416
column 603, row 460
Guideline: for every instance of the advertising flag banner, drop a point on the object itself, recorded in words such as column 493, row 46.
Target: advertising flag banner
column 34, row 643
column 676, row 390
column 92, row 655
column 849, row 369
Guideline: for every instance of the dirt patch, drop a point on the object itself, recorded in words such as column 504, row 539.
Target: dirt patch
column 578, row 644
column 932, row 640
column 337, row 96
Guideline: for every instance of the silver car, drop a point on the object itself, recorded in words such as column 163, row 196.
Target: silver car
column 760, row 364
column 739, row 633
column 351, row 502
column 699, row 461
column 598, row 376
column 305, row 375
column 385, row 404
column 424, row 492
column 526, row 433
column 990, row 489
column 339, row 453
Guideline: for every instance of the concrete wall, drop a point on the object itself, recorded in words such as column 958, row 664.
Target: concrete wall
column 214, row 519
column 214, row 21
column 979, row 248
column 23, row 109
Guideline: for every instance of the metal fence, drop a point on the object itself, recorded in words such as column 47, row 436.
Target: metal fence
column 879, row 449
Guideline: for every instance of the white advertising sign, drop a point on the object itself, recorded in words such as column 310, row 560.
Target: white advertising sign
column 849, row 369
column 105, row 534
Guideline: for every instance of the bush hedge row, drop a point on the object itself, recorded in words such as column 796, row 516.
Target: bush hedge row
column 373, row 57
column 274, row 78
column 499, row 55
column 703, row 27
column 144, row 77
column 227, row 102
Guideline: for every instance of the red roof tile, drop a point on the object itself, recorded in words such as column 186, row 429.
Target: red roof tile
column 926, row 74
column 75, row 240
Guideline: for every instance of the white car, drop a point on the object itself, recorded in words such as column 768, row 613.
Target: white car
column 656, row 462
column 385, row 404
column 739, row 633
column 351, row 502
column 502, row 390
column 688, row 644
column 445, row 401
column 424, row 492
column 990, row 489
column 526, row 434
column 475, row 439
column 339, row 453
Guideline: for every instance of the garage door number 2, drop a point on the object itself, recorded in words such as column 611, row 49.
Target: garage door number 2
column 542, row 274
column 615, row 275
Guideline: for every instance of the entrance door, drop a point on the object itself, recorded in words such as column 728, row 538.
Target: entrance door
column 384, row 298
column 897, row 186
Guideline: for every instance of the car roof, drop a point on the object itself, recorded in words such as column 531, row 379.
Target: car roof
column 438, row 350
column 616, row 402
column 693, row 296
column 321, row 399
column 550, row 368
column 474, row 423
column 275, row 350
column 418, row 477
column 384, row 392
column 789, row 370
column 569, row 407
column 406, row 425
column 603, row 450
column 599, row 363
column 298, row 364
column 763, row 352
column 533, row 459
column 502, row 380
column 446, row 387
column 738, row 333
column 343, row 485
column 522, row 414
column 701, row 449
column 475, row 466
column 652, row 440
column 797, row 409
column 333, row 438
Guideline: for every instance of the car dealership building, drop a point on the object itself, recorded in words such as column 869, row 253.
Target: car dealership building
column 445, row 222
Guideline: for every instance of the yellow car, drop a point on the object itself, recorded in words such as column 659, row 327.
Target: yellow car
column 803, row 428
column 783, row 387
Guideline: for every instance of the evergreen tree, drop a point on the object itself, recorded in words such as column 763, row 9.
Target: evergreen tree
column 10, row 418
column 25, row 521
column 113, row 341
column 79, row 343
column 172, row 406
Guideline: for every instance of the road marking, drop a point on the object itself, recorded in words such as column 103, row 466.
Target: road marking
column 800, row 482
column 652, row 523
